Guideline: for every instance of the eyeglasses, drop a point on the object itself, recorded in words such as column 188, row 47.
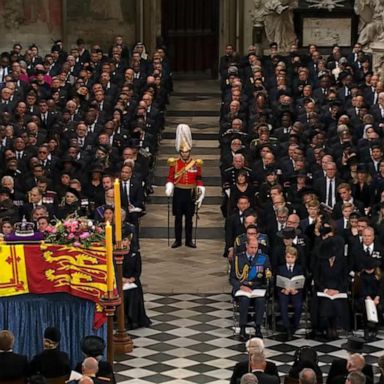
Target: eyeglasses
column 43, row 152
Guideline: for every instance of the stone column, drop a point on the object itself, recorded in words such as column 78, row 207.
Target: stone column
column 151, row 23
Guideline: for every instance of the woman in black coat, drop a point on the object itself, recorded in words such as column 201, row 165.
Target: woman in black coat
column 135, row 316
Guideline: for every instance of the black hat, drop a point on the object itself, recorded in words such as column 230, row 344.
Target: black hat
column 270, row 171
column 352, row 159
column 96, row 168
column 104, row 148
column 92, row 346
column 354, row 344
column 68, row 159
column 288, row 233
column 330, row 247
column 53, row 334
column 300, row 173
column 74, row 192
column 361, row 167
column 368, row 263
column 354, row 215
column 5, row 191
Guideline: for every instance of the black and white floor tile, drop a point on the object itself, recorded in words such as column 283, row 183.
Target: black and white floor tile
column 191, row 340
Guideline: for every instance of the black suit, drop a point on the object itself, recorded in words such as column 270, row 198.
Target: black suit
column 13, row 366
column 51, row 363
column 264, row 378
column 339, row 368
column 48, row 120
column 320, row 186
column 377, row 113
column 296, row 300
column 242, row 367
column 233, row 228
column 134, row 197
column 337, row 209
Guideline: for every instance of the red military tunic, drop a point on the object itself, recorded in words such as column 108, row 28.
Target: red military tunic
column 185, row 175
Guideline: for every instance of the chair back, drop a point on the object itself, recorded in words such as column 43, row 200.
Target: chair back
column 58, row 380
column 290, row 380
column 22, row 380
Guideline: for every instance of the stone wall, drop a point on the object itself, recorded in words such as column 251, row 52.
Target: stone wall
column 43, row 21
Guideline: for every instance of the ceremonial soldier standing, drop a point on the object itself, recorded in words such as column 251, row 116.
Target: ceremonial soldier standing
column 185, row 183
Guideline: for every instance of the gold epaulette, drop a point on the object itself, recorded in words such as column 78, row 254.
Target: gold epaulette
column 237, row 241
column 199, row 162
column 171, row 161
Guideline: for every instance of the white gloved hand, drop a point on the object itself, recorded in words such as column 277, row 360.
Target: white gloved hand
column 169, row 189
column 227, row 192
column 201, row 195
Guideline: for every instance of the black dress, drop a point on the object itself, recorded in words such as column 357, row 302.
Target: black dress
column 135, row 316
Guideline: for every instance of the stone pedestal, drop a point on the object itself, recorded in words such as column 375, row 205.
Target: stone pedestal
column 377, row 49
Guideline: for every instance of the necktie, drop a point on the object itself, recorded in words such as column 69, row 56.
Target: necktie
column 290, row 269
column 367, row 252
column 330, row 194
column 125, row 191
column 250, row 258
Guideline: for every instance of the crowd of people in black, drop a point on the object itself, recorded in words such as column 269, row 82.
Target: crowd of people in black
column 70, row 123
column 305, row 367
column 54, row 364
column 302, row 164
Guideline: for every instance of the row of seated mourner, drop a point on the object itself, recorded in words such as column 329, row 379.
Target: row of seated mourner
column 302, row 165
column 70, row 124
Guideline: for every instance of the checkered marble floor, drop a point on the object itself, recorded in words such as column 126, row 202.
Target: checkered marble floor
column 191, row 341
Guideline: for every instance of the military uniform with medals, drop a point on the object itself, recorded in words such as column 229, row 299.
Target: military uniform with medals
column 252, row 272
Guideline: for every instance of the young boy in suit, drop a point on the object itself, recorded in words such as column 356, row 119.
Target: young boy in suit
column 293, row 296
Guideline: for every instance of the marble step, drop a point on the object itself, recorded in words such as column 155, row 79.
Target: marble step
column 182, row 113
column 213, row 196
column 162, row 233
column 210, row 181
column 186, row 94
column 207, row 163
column 170, row 151
column 196, row 123
column 209, row 216
column 196, row 143
column 208, row 200
column 170, row 135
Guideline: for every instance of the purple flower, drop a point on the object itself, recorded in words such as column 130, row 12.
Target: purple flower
column 84, row 235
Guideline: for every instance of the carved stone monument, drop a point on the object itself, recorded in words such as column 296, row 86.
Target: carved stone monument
column 326, row 22
column 276, row 18
column 371, row 28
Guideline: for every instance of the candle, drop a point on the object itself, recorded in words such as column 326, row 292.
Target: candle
column 109, row 257
column 117, row 199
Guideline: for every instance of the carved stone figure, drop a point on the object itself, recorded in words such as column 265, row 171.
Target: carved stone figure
column 278, row 22
column 371, row 26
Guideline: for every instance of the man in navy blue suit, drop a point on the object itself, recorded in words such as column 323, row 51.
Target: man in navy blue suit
column 294, row 296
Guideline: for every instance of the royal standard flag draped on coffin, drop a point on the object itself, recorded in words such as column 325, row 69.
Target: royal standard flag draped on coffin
column 13, row 275
column 40, row 269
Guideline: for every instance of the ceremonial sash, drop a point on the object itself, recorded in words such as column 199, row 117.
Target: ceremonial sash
column 179, row 174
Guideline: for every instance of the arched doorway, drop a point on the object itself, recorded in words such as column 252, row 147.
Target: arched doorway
column 190, row 30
